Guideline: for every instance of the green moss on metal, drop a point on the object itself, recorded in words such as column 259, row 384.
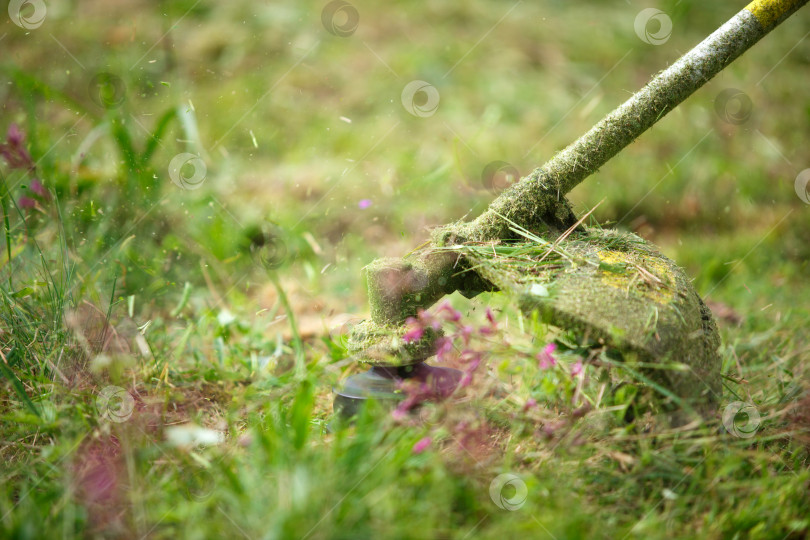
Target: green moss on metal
column 398, row 288
column 383, row 344
column 535, row 203
column 626, row 296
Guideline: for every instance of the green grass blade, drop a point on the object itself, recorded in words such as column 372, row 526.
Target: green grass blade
column 15, row 381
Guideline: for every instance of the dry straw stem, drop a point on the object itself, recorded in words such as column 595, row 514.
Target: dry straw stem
column 537, row 203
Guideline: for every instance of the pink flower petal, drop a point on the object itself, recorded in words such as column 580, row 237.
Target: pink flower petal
column 451, row 314
column 427, row 319
column 364, row 203
column 466, row 332
column 414, row 334
column 36, row 187
column 14, row 152
column 14, row 136
column 421, row 445
column 546, row 362
column 444, row 346
column 26, row 202
column 546, row 358
column 491, row 318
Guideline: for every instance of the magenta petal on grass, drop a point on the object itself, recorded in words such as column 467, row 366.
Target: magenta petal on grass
column 26, row 202
column 364, row 203
column 576, row 369
column 13, row 150
column 444, row 346
column 546, row 358
column 427, row 319
column 466, row 333
column 451, row 314
column 36, row 187
column 414, row 334
column 14, row 136
column 491, row 318
column 422, row 445
column 489, row 330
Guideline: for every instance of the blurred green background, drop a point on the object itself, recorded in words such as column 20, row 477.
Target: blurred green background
column 296, row 112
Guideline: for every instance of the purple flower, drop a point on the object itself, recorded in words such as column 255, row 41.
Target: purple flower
column 417, row 393
column 493, row 326
column 38, row 189
column 421, row 445
column 427, row 319
column 491, row 318
column 546, row 357
column 473, row 360
column 14, row 152
column 550, row 430
column 415, row 330
column 466, row 332
column 531, row 403
column 471, row 357
column 363, row 204
column 576, row 369
column 26, row 203
column 444, row 346
column 451, row 314
column 15, row 136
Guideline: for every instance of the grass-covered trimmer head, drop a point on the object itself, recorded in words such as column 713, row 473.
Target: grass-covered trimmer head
column 611, row 289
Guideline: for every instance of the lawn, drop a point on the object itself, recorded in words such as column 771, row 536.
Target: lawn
column 190, row 193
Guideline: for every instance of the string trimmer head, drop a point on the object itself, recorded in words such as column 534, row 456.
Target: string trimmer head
column 609, row 289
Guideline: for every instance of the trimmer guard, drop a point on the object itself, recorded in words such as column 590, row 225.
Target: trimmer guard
column 616, row 290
